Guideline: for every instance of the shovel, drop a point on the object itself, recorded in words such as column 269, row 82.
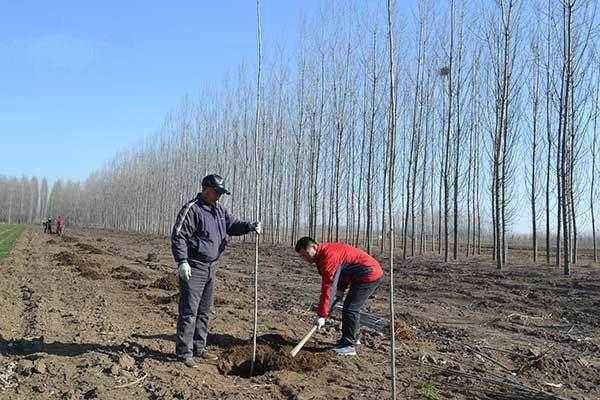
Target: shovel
column 306, row 337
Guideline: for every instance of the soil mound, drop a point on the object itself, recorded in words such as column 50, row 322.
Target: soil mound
column 89, row 248
column 152, row 257
column 272, row 354
column 135, row 276
column 66, row 258
column 128, row 273
column 90, row 271
column 167, row 282
column 87, row 268
column 403, row 331
column 158, row 299
column 121, row 269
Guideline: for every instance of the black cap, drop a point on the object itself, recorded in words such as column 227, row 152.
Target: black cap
column 215, row 182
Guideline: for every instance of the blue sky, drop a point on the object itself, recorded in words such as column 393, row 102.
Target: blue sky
column 80, row 81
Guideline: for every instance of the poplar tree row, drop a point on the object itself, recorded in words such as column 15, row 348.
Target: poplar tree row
column 23, row 201
column 496, row 119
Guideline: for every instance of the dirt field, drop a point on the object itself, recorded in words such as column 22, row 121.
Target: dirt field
column 92, row 315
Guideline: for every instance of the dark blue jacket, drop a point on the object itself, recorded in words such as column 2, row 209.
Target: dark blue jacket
column 200, row 231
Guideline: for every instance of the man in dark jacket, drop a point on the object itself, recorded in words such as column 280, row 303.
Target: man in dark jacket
column 342, row 266
column 48, row 225
column 197, row 242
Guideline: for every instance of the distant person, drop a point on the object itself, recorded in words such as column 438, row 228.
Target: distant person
column 341, row 266
column 48, row 225
column 197, row 242
column 60, row 223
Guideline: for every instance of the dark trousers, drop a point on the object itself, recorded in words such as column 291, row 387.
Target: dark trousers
column 195, row 302
column 357, row 296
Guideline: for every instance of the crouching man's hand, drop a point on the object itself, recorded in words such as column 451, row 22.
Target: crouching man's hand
column 319, row 322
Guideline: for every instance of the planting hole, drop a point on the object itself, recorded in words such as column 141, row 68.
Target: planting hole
column 272, row 354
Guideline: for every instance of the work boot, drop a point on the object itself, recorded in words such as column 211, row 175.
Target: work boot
column 205, row 354
column 187, row 361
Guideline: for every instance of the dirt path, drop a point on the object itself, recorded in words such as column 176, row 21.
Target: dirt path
column 93, row 310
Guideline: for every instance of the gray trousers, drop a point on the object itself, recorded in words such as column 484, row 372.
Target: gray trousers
column 357, row 296
column 195, row 302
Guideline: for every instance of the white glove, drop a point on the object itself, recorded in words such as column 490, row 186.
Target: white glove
column 258, row 227
column 184, row 270
column 339, row 296
column 320, row 322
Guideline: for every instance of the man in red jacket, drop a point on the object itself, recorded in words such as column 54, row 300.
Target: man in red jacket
column 341, row 266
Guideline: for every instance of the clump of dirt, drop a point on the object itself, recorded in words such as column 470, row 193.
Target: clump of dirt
column 152, row 257
column 135, row 275
column 414, row 321
column 99, row 240
column 272, row 354
column 52, row 241
column 403, row 331
column 167, row 282
column 88, row 268
column 69, row 239
column 89, row 248
column 158, row 299
column 90, row 271
column 121, row 269
column 221, row 301
column 128, row 273
column 66, row 258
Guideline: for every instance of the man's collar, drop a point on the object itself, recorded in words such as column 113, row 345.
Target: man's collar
column 204, row 204
column 317, row 250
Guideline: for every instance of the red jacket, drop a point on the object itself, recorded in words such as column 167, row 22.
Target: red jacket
column 339, row 265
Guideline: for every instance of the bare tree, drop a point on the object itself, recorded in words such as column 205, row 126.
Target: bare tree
column 391, row 160
column 448, row 71
column 415, row 142
column 503, row 59
column 593, row 171
column 258, row 181
column 457, row 133
column 533, row 191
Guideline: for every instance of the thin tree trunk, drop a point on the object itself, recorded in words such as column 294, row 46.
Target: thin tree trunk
column 593, row 172
column 548, row 138
column 391, row 151
column 533, row 196
column 448, row 129
column 370, row 213
column 457, row 144
column 257, row 190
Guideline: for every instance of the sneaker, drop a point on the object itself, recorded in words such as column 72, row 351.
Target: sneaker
column 206, row 355
column 345, row 350
column 187, row 361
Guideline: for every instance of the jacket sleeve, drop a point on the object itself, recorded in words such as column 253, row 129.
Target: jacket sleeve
column 185, row 225
column 235, row 227
column 329, row 280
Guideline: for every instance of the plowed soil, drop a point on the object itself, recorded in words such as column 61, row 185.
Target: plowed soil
column 92, row 315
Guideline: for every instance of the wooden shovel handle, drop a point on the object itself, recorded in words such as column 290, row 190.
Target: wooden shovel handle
column 301, row 344
column 296, row 349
